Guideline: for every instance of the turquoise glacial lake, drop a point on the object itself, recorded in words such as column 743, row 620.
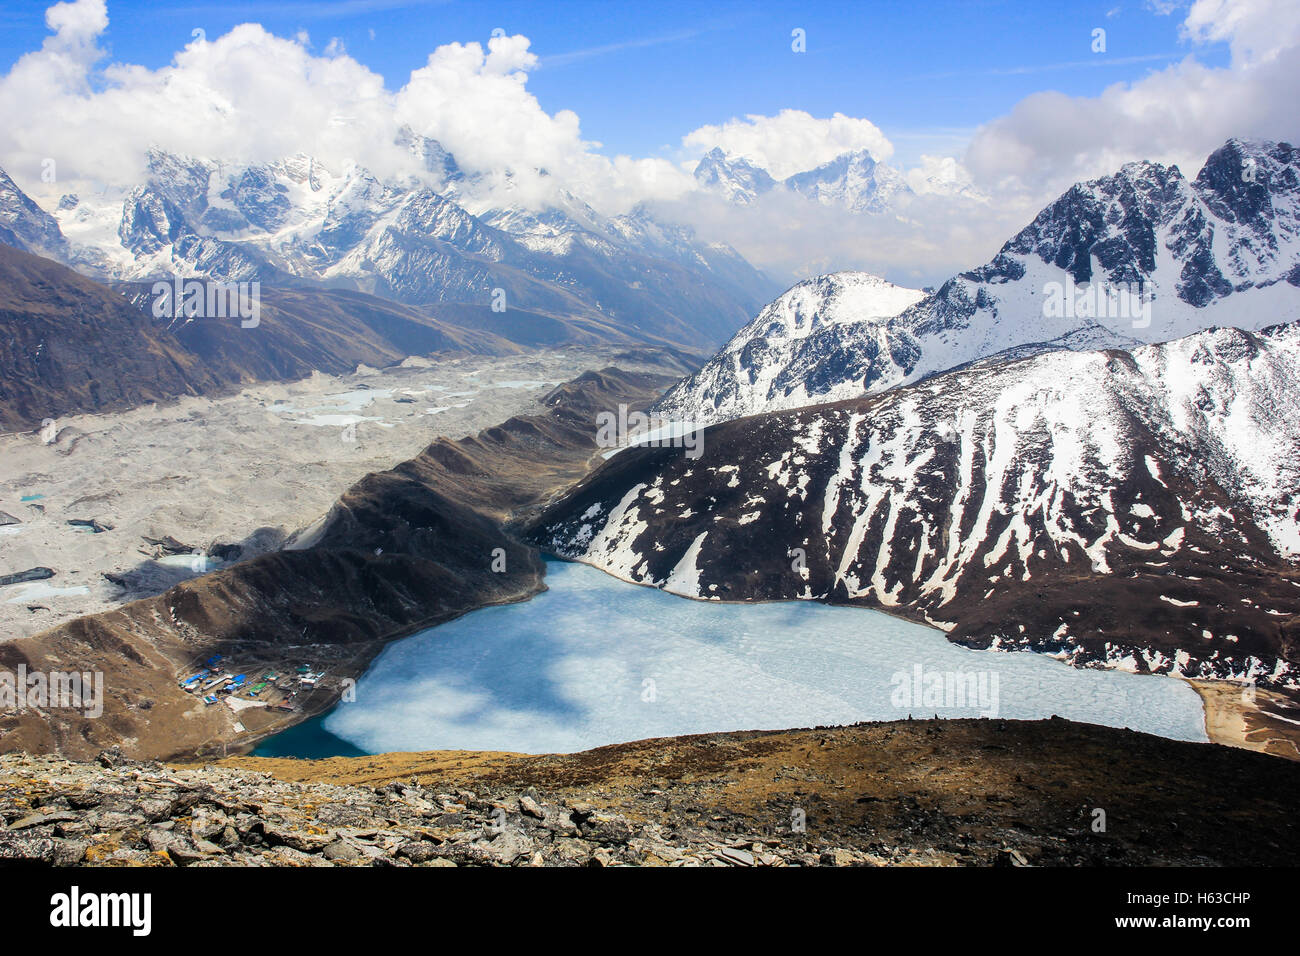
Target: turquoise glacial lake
column 595, row 660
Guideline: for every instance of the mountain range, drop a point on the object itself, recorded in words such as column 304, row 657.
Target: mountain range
column 72, row 345
column 351, row 269
column 1112, row 491
column 300, row 222
column 855, row 180
column 1143, row 255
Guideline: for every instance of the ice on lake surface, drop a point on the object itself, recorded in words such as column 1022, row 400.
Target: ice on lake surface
column 335, row 421
column 198, row 563
column 474, row 378
column 595, row 660
column 38, row 591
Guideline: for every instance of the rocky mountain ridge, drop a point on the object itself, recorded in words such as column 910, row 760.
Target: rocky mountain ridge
column 1135, row 509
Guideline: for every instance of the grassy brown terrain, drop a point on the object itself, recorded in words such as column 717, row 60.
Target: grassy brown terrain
column 69, row 344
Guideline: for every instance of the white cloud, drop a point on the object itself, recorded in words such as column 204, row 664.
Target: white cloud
column 1176, row 115
column 941, row 174
column 792, row 141
column 792, row 237
column 250, row 96
column 1257, row 31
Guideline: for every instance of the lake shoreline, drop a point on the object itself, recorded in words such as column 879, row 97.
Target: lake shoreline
column 523, row 678
column 1236, row 718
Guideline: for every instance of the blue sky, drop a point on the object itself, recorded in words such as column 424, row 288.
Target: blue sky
column 641, row 75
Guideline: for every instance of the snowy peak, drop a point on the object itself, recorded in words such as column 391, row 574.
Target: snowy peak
column 1237, row 226
column 1106, row 226
column 1252, row 182
column 432, row 156
column 945, row 177
column 150, row 221
column 556, row 228
column 735, row 178
column 839, row 298
column 1252, row 192
column 808, row 345
column 853, row 180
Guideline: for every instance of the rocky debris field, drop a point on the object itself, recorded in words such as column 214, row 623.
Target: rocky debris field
column 932, row 792
column 118, row 812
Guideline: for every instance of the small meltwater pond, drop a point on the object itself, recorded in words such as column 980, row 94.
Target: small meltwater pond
column 595, row 661
column 23, row 593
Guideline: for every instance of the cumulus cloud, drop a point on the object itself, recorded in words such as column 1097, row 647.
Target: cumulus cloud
column 942, row 175
column 1176, row 115
column 75, row 24
column 1257, row 31
column 250, row 96
column 791, row 141
column 247, row 96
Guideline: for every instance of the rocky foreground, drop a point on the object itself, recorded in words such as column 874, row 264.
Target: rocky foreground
column 970, row 792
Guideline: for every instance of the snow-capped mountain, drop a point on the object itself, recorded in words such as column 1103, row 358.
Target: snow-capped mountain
column 855, row 181
column 1143, row 255
column 734, row 178
column 555, row 229
column 298, row 221
column 1138, row 509
column 813, row 344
